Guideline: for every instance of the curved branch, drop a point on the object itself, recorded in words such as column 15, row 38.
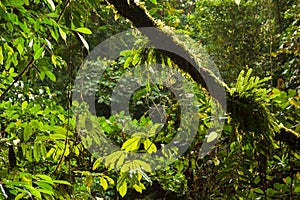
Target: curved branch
column 140, row 18
column 184, row 59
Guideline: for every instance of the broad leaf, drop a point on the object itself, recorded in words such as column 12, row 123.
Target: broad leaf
column 149, row 146
column 84, row 30
column 123, row 188
column 50, row 75
column 103, row 183
column 27, row 132
column 132, row 144
column 212, row 136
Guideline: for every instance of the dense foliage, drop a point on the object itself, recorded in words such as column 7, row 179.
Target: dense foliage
column 46, row 154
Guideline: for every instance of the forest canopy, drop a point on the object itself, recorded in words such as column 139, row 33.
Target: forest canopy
column 149, row 99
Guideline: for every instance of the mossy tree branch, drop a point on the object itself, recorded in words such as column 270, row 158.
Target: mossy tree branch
column 161, row 37
column 184, row 58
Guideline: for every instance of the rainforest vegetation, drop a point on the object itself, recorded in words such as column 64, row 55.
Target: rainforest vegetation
column 220, row 118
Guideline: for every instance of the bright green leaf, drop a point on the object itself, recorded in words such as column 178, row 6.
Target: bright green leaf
column 123, row 188
column 62, row 182
column 62, row 34
column 54, row 33
column 42, row 75
column 21, row 196
column 83, row 30
column 27, row 132
column 57, row 136
column 137, row 188
column 149, row 146
column 36, row 151
column 103, row 183
column 38, row 53
column 112, row 158
column 127, row 62
column 132, row 144
column 24, row 105
column 212, row 136
column 97, row 163
column 154, row 2
column 50, row 75
column 136, row 59
column 120, row 161
column 1, row 56
column 44, row 185
column 33, row 191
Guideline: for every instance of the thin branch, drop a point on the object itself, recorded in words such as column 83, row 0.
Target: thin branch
column 31, row 62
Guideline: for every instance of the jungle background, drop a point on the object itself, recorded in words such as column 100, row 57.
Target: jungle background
column 254, row 44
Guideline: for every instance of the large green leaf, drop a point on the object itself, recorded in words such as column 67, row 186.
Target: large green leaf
column 122, row 185
column 84, row 30
column 132, row 144
column 149, row 146
column 27, row 132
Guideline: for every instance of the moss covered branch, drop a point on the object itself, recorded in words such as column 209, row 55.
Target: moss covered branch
column 161, row 36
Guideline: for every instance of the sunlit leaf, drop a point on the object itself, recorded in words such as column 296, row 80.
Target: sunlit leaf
column 33, row 191
column 84, row 42
column 123, row 188
column 212, row 136
column 237, row 2
column 38, row 53
column 62, row 34
column 27, row 132
column 36, row 151
column 50, row 75
column 62, row 182
column 51, row 4
column 137, row 188
column 132, row 144
column 103, row 183
column 24, row 105
column 112, row 158
column 154, row 1
column 83, row 30
column 127, row 62
column 149, row 146
column 97, row 163
column 1, row 56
